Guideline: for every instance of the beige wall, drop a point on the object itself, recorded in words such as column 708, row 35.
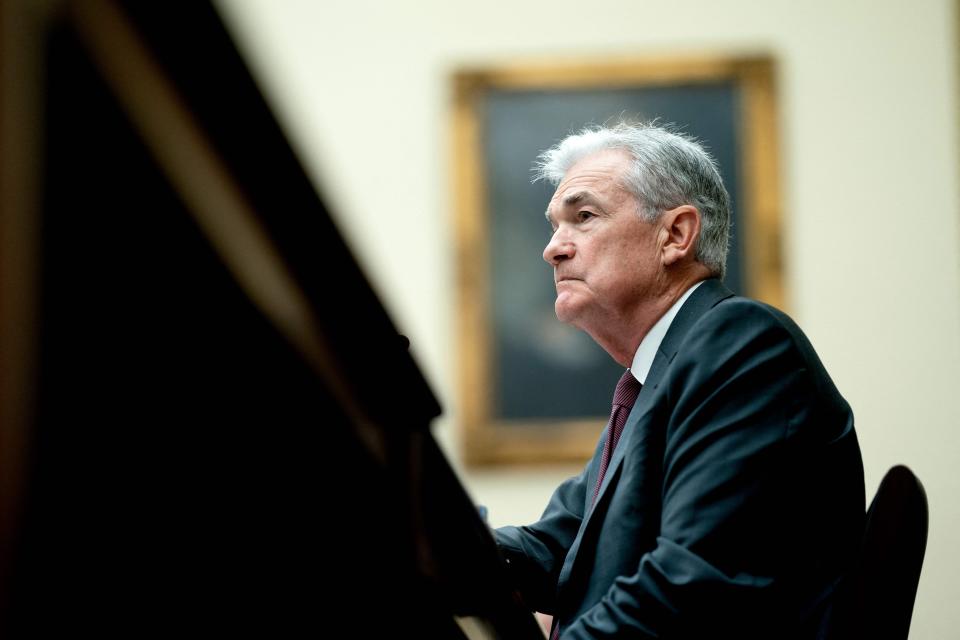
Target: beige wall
column 869, row 143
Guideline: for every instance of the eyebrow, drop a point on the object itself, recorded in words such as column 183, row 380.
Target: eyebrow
column 577, row 197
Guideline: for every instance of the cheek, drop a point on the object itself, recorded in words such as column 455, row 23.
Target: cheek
column 617, row 264
column 630, row 273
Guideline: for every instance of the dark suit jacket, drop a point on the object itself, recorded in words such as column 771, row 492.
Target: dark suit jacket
column 732, row 504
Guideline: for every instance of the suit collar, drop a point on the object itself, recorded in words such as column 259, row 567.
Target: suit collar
column 706, row 296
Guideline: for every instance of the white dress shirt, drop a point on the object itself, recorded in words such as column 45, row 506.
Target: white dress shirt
column 643, row 358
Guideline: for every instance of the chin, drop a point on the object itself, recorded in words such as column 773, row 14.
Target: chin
column 567, row 313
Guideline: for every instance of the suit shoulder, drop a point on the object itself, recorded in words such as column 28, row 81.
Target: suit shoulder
column 737, row 315
column 738, row 325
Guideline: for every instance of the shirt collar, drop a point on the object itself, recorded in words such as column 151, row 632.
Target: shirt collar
column 643, row 358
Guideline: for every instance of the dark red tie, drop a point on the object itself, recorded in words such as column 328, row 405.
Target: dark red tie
column 623, row 400
column 625, row 396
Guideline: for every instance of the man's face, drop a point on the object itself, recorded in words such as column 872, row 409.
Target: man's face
column 604, row 257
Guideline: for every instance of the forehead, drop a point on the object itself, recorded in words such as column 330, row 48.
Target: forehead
column 596, row 176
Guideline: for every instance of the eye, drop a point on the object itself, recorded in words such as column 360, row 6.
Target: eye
column 583, row 216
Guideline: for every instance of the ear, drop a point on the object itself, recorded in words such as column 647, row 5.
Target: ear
column 680, row 231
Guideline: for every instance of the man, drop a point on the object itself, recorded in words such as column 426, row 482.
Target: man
column 730, row 500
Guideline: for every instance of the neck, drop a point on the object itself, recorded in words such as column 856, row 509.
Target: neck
column 621, row 337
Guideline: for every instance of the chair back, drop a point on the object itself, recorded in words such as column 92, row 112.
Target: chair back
column 876, row 601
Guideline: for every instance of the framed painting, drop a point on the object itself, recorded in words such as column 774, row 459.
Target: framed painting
column 532, row 389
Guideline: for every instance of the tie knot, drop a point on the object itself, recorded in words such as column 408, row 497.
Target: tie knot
column 628, row 388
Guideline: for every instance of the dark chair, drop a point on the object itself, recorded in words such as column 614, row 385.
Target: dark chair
column 876, row 601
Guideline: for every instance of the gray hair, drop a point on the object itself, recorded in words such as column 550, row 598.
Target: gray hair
column 669, row 169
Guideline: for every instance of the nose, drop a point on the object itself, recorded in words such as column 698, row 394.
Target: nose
column 558, row 249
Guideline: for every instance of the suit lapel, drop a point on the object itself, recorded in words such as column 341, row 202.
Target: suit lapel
column 707, row 295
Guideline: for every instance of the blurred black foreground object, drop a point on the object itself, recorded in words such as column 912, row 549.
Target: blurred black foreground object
column 207, row 420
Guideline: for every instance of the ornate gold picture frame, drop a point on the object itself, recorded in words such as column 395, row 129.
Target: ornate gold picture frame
column 531, row 389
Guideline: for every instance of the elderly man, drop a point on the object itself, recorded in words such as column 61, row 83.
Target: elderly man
column 726, row 496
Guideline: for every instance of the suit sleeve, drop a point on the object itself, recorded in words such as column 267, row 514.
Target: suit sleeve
column 535, row 553
column 739, row 393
